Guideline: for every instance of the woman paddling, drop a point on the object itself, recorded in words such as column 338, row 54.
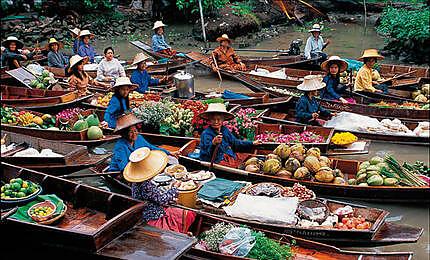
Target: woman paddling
column 315, row 44
column 86, row 49
column 13, row 54
column 333, row 90
column 109, row 68
column 364, row 79
column 308, row 109
column 56, row 58
column 159, row 44
column 218, row 141
column 141, row 77
column 225, row 56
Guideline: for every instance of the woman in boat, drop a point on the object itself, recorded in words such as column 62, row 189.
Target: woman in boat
column 13, row 54
column 225, row 57
column 86, row 49
column 308, row 110
column 79, row 79
column 141, row 77
column 76, row 41
column 217, row 143
column 119, row 103
column 364, row 80
column 315, row 44
column 159, row 44
column 333, row 90
column 56, row 58
column 109, row 68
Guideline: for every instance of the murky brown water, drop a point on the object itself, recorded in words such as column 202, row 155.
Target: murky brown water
column 347, row 41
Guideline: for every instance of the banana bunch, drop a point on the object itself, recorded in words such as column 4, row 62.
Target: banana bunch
column 25, row 118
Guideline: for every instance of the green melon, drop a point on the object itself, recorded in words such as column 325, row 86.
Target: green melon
column 80, row 125
column 92, row 120
column 94, row 133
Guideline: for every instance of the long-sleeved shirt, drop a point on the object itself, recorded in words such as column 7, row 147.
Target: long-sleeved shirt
column 143, row 79
column 225, row 57
column 363, row 80
column 8, row 57
column 159, row 43
column 76, row 44
column 81, row 85
column 87, row 51
column 329, row 92
column 123, row 149
column 313, row 45
column 57, row 60
column 154, row 198
column 114, row 110
column 111, row 68
column 229, row 142
column 305, row 107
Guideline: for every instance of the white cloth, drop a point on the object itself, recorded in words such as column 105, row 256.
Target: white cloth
column 31, row 152
column 279, row 74
column 111, row 68
column 313, row 45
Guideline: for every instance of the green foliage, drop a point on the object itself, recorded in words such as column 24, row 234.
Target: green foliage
column 242, row 8
column 97, row 4
column 405, row 24
column 266, row 248
column 308, row 25
column 193, row 5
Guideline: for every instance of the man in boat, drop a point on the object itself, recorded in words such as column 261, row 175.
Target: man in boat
column 141, row 77
column 13, row 54
column 334, row 89
column 225, row 56
column 364, row 79
column 217, row 143
column 315, row 44
column 86, row 49
column 159, row 44
column 308, row 109
column 76, row 41
column 56, row 58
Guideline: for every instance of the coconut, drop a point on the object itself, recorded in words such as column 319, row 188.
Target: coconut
column 297, row 155
column 298, row 147
column 302, row 173
column 292, row 164
column 271, row 166
column 283, row 151
column 273, row 156
column 315, row 151
column 325, row 161
column 252, row 168
column 312, row 163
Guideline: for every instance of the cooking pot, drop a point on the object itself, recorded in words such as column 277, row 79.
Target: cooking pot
column 184, row 83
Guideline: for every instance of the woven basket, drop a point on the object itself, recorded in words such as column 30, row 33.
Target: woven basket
column 280, row 187
column 312, row 203
column 54, row 219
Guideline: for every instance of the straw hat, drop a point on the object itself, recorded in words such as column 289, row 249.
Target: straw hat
column 19, row 44
column 316, row 28
column 343, row 65
column 144, row 164
column 217, row 108
column 124, row 81
column 139, row 58
column 125, row 121
column 85, row 33
column 223, row 37
column 75, row 31
column 371, row 53
column 52, row 41
column 75, row 59
column 158, row 24
column 311, row 83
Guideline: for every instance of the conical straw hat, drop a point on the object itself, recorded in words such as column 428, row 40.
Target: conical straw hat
column 19, row 44
column 125, row 121
column 223, row 37
column 124, row 81
column 217, row 108
column 75, row 60
column 343, row 65
column 158, row 24
column 371, row 53
column 145, row 164
column 139, row 58
column 311, row 83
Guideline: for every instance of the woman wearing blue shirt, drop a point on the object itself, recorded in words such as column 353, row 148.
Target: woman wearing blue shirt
column 141, row 77
column 159, row 44
column 86, row 49
column 333, row 90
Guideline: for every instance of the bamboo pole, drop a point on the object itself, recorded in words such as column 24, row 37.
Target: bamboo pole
column 202, row 21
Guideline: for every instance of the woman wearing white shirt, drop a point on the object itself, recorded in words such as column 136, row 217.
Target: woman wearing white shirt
column 109, row 68
column 315, row 44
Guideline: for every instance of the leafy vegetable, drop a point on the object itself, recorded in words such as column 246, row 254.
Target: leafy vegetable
column 214, row 236
column 268, row 249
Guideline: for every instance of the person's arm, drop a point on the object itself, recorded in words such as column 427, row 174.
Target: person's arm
column 206, row 147
column 72, row 83
column 151, row 146
column 156, row 44
column 330, row 89
column 153, row 81
column 121, row 69
column 236, row 57
column 366, row 81
column 53, row 61
column 148, row 191
column 302, row 111
column 120, row 157
column 164, row 43
column 308, row 48
column 100, row 71
column 236, row 143
column 324, row 112
column 113, row 107
column 82, row 51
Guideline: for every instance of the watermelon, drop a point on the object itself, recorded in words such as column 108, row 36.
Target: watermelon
column 92, row 120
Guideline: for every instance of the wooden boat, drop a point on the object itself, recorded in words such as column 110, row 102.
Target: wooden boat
column 348, row 167
column 97, row 223
column 76, row 157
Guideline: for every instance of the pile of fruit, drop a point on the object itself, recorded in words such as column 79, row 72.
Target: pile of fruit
column 43, row 81
column 40, row 212
column 135, row 98
column 298, row 191
column 304, row 137
column 343, row 138
column 67, row 114
column 102, row 100
column 423, row 94
column 353, row 223
column 18, row 188
column 242, row 125
column 26, row 118
column 179, row 121
column 196, row 107
column 91, row 124
column 404, row 105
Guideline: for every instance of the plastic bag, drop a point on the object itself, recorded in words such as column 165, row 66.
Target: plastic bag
column 238, row 242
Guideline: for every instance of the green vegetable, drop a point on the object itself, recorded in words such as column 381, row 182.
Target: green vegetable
column 213, row 100
column 408, row 177
column 268, row 249
column 214, row 236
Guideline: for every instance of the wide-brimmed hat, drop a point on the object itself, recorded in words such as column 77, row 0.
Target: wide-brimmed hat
column 53, row 41
column 311, row 83
column 124, row 81
column 75, row 31
column 139, row 58
column 216, row 108
column 75, row 59
column 145, row 164
column 223, row 37
column 316, row 28
column 19, row 44
column 371, row 53
column 86, row 33
column 343, row 65
column 158, row 24
column 125, row 121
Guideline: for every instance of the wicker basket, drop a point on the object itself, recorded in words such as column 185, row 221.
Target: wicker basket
column 278, row 186
column 54, row 219
column 312, row 204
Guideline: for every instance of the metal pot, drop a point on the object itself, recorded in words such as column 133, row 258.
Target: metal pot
column 184, row 83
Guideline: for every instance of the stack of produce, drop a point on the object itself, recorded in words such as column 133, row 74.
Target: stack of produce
column 242, row 125
column 67, row 114
column 102, row 100
column 304, row 137
column 90, row 124
column 43, row 81
column 404, row 105
column 26, row 118
column 419, row 167
column 196, row 107
column 344, row 138
column 18, row 188
column 423, row 94
column 179, row 121
column 285, row 91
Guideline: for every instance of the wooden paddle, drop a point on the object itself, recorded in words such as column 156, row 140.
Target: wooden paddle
column 88, row 175
column 219, row 74
column 8, row 214
column 3, row 139
column 18, row 148
column 397, row 76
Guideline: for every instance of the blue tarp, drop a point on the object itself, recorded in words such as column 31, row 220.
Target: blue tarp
column 232, row 95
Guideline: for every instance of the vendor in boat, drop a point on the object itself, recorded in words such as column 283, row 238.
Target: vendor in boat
column 315, row 44
column 141, row 77
column 79, row 79
column 217, row 143
column 13, row 54
column 364, row 80
column 308, row 110
column 56, row 58
column 119, row 103
column 86, row 49
column 76, row 41
column 159, row 44
column 225, row 56
column 109, row 67
column 334, row 89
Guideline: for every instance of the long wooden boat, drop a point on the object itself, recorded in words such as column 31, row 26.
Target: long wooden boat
column 75, row 157
column 348, row 167
column 97, row 223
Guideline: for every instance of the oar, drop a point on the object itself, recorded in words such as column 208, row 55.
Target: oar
column 250, row 50
column 9, row 213
column 88, row 175
column 3, row 139
column 219, row 73
column 398, row 76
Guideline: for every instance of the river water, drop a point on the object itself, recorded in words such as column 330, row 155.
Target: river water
column 348, row 40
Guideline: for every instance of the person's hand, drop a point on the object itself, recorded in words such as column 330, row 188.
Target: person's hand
column 315, row 115
column 257, row 142
column 333, row 114
column 163, row 79
column 375, row 83
column 214, row 68
column 328, row 42
column 176, row 184
column 217, row 140
column 175, row 154
column 378, row 91
column 24, row 57
column 104, row 124
column 108, row 78
column 343, row 100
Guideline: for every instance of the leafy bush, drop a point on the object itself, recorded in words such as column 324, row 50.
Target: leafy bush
column 242, row 8
column 207, row 5
column 97, row 4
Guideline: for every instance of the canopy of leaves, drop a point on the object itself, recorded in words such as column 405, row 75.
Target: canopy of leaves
column 193, row 5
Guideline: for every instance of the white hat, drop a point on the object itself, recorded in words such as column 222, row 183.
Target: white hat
column 75, row 59
column 223, row 37
column 216, row 108
column 124, row 81
column 316, row 28
column 158, row 24
column 75, row 31
column 139, row 58
column 311, row 83
column 19, row 44
column 343, row 65
column 85, row 33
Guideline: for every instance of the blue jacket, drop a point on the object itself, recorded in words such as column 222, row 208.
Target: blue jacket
column 143, row 79
column 87, row 50
column 229, row 142
column 159, row 43
column 123, row 149
column 57, row 60
column 305, row 107
column 329, row 91
column 76, row 44
column 114, row 110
